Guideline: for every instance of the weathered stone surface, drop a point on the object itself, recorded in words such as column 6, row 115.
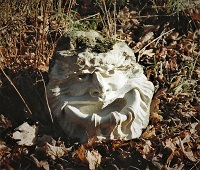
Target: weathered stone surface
column 96, row 88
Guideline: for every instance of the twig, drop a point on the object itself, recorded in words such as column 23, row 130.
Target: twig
column 195, row 165
column 45, row 91
column 115, row 25
column 86, row 18
column 154, row 41
column 194, row 64
column 3, row 27
column 16, row 90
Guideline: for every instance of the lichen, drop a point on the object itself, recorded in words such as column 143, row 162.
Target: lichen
column 103, row 46
column 93, row 43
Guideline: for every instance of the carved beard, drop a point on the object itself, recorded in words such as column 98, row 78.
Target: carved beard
column 83, row 116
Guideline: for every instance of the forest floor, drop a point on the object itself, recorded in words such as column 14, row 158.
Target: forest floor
column 165, row 36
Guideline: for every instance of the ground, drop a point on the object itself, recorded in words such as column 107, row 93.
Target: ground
column 165, row 36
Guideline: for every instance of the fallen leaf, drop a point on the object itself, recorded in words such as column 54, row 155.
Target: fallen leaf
column 174, row 35
column 149, row 132
column 148, row 150
column 25, row 134
column 44, row 164
column 161, row 93
column 94, row 159
column 155, row 118
column 147, row 37
column 40, row 164
column 146, row 52
column 197, row 128
column 197, row 108
column 196, row 17
column 188, row 154
column 171, row 157
column 3, row 149
column 81, row 152
column 154, row 108
column 176, row 82
column 56, row 151
column 169, row 143
column 5, row 123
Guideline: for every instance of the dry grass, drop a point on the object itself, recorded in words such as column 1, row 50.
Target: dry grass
column 164, row 36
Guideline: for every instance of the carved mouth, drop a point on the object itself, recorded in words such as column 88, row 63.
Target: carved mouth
column 91, row 107
column 87, row 107
column 92, row 117
column 83, row 109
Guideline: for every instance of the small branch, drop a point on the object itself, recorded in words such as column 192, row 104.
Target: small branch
column 45, row 91
column 86, row 18
column 16, row 90
column 154, row 41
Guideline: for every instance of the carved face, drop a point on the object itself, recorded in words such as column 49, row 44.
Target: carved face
column 99, row 95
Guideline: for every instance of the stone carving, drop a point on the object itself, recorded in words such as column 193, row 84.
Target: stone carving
column 96, row 89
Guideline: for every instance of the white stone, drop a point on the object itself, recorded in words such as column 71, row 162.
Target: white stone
column 97, row 90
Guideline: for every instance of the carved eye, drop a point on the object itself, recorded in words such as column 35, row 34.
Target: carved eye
column 83, row 77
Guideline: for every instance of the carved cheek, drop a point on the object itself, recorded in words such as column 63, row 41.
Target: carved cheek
column 75, row 89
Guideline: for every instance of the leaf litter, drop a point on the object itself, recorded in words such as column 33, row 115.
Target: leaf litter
column 166, row 45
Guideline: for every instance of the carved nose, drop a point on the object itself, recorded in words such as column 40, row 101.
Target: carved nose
column 100, row 86
column 95, row 93
column 99, row 91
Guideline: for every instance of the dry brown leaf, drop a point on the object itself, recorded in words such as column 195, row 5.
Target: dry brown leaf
column 44, row 164
column 94, row 159
column 196, row 17
column 169, row 143
column 4, row 123
column 147, row 37
column 56, row 151
column 146, row 52
column 194, row 128
column 174, row 35
column 163, row 52
column 148, row 150
column 170, row 146
column 176, row 82
column 154, row 108
column 161, row 93
column 149, row 132
column 197, row 128
column 3, row 150
column 87, row 157
column 170, row 158
column 197, row 108
column 152, row 28
column 25, row 134
column 155, row 118
column 81, row 153
column 40, row 164
column 188, row 154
